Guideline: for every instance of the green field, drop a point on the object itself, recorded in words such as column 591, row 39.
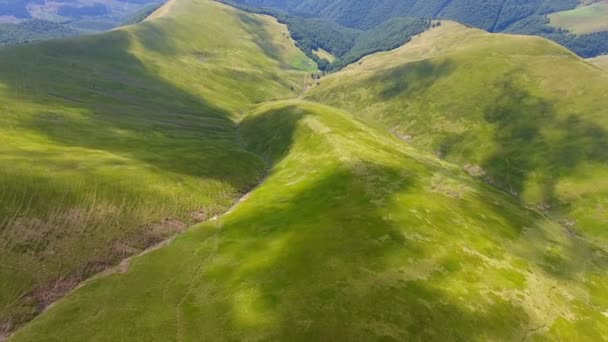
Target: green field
column 479, row 217
column 584, row 19
column 325, row 55
column 521, row 113
column 114, row 142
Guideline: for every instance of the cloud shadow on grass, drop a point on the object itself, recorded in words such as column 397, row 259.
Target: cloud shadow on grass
column 411, row 79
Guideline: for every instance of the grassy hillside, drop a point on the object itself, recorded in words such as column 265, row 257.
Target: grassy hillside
column 113, row 142
column 601, row 61
column 584, row 19
column 353, row 236
column 520, row 112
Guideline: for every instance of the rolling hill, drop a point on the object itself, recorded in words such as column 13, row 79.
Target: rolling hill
column 521, row 112
column 114, row 142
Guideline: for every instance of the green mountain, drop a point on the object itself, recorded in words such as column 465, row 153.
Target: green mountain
column 451, row 189
column 520, row 112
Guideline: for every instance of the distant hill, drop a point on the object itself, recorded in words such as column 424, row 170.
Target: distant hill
column 523, row 113
column 492, row 15
column 29, row 20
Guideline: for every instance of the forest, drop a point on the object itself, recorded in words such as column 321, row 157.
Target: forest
column 348, row 45
column 33, row 30
column 491, row 15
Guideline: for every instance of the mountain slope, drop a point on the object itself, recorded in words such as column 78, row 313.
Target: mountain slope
column 521, row 112
column 111, row 143
column 356, row 236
